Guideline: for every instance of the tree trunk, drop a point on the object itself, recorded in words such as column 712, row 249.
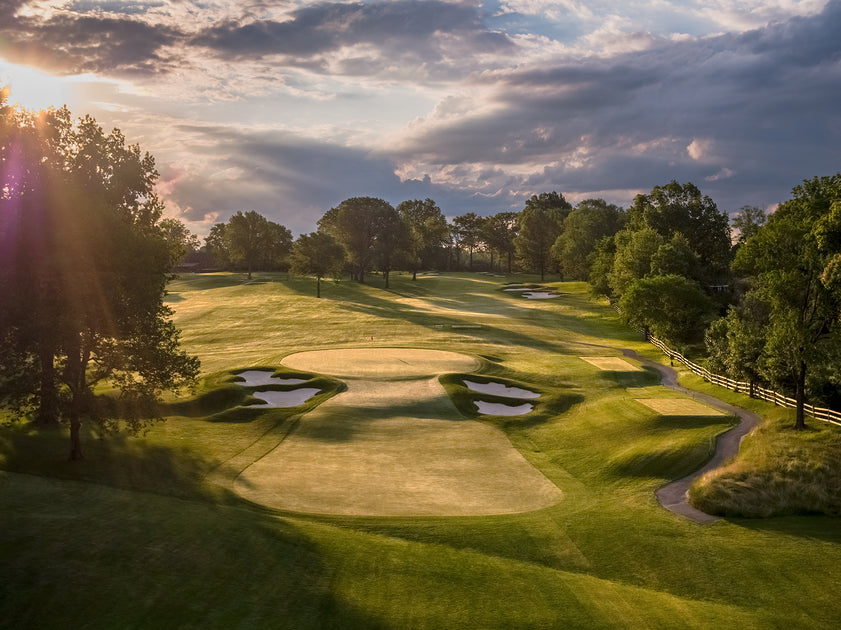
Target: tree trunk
column 385, row 273
column 318, row 286
column 77, row 364
column 75, row 439
column 800, row 397
column 414, row 274
column 48, row 399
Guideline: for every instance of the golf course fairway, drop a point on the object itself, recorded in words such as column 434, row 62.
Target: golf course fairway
column 387, row 501
column 388, row 447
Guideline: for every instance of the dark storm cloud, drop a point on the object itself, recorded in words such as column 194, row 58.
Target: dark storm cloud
column 111, row 38
column 765, row 102
column 406, row 25
column 295, row 180
column 78, row 44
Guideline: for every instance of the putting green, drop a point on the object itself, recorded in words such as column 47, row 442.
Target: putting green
column 388, row 363
column 393, row 448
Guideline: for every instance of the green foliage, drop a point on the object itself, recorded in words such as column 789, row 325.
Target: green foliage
column 590, row 221
column 83, row 275
column 318, row 254
column 681, row 209
column 428, row 233
column 748, row 222
column 632, row 261
column 467, row 232
column 358, row 224
column 787, row 261
column 499, row 232
column 671, row 307
column 538, row 227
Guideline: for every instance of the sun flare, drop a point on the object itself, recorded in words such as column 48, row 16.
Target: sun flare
column 33, row 89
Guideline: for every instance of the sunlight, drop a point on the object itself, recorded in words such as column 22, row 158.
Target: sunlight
column 34, row 89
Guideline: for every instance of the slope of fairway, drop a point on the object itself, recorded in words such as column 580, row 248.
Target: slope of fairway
column 393, row 448
column 143, row 534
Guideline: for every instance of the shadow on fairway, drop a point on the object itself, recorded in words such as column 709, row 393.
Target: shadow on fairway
column 811, row 526
column 387, row 309
column 195, row 564
column 116, row 460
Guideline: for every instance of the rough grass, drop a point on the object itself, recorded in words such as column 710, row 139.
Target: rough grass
column 141, row 534
column 779, row 472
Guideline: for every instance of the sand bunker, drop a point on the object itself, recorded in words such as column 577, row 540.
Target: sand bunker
column 518, row 289
column 257, row 378
column 612, row 364
column 498, row 409
column 679, row 407
column 393, row 447
column 499, row 389
column 388, row 363
column 291, row 398
column 540, row 295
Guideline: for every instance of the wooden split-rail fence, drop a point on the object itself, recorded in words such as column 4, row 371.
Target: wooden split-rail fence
column 751, row 389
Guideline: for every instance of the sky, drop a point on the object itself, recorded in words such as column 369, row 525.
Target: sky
column 289, row 107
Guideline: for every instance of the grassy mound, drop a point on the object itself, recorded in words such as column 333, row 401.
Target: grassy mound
column 778, row 472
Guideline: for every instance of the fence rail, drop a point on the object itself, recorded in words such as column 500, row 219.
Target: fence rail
column 751, row 389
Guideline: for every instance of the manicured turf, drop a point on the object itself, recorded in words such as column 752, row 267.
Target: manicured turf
column 144, row 534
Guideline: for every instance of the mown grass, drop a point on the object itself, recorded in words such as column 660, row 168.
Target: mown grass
column 139, row 536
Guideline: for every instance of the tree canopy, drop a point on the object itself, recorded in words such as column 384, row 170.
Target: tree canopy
column 318, row 254
column 83, row 276
column 357, row 224
column 790, row 263
column 428, row 233
column 589, row 222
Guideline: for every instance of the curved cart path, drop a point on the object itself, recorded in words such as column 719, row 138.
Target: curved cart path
column 673, row 496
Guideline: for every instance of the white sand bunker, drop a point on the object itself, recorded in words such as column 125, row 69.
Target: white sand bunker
column 394, row 448
column 291, row 398
column 679, row 407
column 518, row 289
column 258, row 378
column 541, row 295
column 500, row 389
column 387, row 363
column 498, row 409
column 611, row 364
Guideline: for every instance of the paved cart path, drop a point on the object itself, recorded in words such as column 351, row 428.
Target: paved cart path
column 673, row 496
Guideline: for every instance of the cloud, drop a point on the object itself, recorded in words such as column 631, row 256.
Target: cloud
column 76, row 44
column 398, row 37
column 764, row 100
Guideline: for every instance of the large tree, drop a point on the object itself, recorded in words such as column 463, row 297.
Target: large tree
column 671, row 307
column 467, row 230
column 391, row 243
column 253, row 240
column 318, row 254
column 789, row 263
column 428, row 233
column 539, row 225
column 586, row 225
column 83, row 276
column 356, row 223
column 499, row 231
column 681, row 209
